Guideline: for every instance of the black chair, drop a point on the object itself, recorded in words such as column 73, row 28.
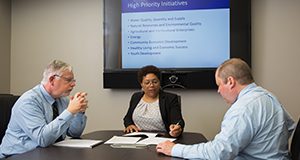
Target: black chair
column 7, row 101
column 295, row 146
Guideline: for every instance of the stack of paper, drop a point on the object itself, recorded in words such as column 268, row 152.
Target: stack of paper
column 155, row 140
column 141, row 134
column 132, row 139
column 122, row 140
column 78, row 143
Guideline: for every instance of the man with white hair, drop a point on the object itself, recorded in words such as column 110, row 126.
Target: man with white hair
column 45, row 114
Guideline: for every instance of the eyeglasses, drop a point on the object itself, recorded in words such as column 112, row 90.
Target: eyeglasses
column 69, row 80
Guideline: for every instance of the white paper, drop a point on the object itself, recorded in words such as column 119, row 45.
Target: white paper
column 122, row 140
column 148, row 134
column 78, row 143
column 154, row 140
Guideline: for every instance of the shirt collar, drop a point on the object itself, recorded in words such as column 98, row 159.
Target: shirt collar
column 246, row 89
column 47, row 96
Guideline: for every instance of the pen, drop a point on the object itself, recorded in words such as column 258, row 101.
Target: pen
column 175, row 128
column 178, row 122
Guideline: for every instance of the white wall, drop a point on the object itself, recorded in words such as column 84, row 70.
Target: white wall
column 71, row 30
column 276, row 49
column 5, row 30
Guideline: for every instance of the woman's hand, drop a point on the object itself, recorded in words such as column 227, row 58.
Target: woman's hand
column 131, row 128
column 175, row 130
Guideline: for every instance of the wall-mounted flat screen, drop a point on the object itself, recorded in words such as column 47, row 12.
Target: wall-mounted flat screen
column 186, row 39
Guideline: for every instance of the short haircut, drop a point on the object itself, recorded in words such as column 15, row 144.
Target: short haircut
column 146, row 70
column 236, row 68
column 56, row 67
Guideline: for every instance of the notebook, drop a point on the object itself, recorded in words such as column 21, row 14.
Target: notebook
column 78, row 143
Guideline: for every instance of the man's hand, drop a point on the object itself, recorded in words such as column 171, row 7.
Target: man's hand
column 165, row 147
column 78, row 103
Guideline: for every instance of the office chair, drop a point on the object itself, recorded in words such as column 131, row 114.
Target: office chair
column 295, row 146
column 7, row 101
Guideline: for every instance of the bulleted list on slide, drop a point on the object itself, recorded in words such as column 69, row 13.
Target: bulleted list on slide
column 172, row 34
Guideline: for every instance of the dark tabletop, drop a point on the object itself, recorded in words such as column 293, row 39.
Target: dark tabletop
column 105, row 151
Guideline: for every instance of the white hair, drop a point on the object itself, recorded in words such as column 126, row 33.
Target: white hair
column 56, row 67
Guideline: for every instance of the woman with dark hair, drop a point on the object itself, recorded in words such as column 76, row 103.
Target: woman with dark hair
column 152, row 109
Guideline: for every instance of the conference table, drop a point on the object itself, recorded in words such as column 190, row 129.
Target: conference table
column 105, row 151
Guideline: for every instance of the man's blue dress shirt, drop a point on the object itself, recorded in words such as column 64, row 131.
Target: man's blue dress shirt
column 256, row 126
column 31, row 123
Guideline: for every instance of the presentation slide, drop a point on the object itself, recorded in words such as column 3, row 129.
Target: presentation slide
column 175, row 33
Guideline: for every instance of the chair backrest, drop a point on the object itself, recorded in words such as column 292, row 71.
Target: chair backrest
column 7, row 101
column 295, row 146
